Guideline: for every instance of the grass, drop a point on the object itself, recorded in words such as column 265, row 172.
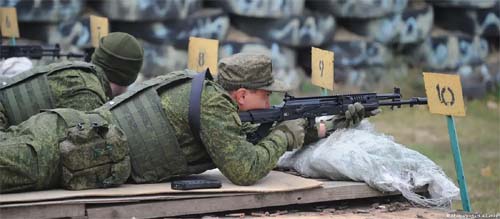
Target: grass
column 479, row 139
column 478, row 135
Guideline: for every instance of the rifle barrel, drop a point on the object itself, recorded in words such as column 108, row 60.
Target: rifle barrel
column 411, row 102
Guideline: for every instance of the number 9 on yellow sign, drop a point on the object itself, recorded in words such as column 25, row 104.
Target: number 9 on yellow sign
column 322, row 68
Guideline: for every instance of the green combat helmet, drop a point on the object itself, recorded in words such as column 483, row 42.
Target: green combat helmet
column 120, row 55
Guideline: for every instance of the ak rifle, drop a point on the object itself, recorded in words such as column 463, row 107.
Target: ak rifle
column 35, row 52
column 312, row 107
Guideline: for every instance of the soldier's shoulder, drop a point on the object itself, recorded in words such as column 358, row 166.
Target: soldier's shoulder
column 217, row 95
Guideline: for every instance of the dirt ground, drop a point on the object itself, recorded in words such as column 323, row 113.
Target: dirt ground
column 394, row 207
column 410, row 213
column 395, row 210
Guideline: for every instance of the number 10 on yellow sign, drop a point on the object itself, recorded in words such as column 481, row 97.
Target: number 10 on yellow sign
column 444, row 94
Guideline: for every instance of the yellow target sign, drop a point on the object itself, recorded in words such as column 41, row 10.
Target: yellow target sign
column 322, row 68
column 8, row 22
column 444, row 94
column 202, row 54
column 99, row 27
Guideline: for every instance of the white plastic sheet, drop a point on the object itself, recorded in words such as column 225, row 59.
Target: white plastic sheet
column 361, row 154
column 12, row 66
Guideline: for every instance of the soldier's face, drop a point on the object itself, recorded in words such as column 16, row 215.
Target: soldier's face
column 251, row 99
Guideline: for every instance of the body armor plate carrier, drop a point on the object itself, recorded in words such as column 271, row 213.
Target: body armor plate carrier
column 29, row 92
column 154, row 151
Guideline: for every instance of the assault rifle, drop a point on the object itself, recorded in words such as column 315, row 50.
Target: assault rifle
column 312, row 107
column 35, row 52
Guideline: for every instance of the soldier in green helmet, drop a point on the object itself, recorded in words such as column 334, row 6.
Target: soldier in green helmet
column 72, row 84
column 77, row 150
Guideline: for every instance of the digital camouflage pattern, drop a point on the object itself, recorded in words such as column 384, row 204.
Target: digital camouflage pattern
column 247, row 70
column 63, row 148
column 93, row 153
column 40, row 141
column 74, row 88
column 80, row 90
column 60, row 148
column 223, row 135
column 3, row 118
column 29, row 154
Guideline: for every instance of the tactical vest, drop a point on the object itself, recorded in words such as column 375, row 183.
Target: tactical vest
column 155, row 154
column 29, row 92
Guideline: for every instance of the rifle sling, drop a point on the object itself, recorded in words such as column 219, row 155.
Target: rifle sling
column 194, row 115
column 260, row 133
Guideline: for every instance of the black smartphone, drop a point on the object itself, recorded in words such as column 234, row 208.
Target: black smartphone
column 189, row 184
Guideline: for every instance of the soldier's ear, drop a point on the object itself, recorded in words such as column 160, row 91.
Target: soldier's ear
column 239, row 95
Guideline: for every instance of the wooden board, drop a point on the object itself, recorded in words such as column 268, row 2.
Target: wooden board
column 330, row 191
column 186, row 204
column 274, row 182
column 44, row 211
column 125, row 199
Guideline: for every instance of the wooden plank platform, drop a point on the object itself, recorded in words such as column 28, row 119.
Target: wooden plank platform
column 171, row 205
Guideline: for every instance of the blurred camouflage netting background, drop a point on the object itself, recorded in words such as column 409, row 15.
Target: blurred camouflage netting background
column 371, row 38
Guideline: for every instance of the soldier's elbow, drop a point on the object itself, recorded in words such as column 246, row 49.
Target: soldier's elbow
column 243, row 180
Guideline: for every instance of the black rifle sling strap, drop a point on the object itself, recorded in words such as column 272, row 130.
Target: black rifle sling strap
column 194, row 115
column 260, row 133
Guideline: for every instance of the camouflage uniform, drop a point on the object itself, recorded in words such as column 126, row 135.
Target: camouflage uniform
column 76, row 85
column 223, row 135
column 63, row 148
column 161, row 143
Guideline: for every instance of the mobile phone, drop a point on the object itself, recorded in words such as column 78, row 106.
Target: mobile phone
column 195, row 184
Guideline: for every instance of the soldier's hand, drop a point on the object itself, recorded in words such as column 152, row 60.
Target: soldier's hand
column 351, row 117
column 295, row 132
column 373, row 112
